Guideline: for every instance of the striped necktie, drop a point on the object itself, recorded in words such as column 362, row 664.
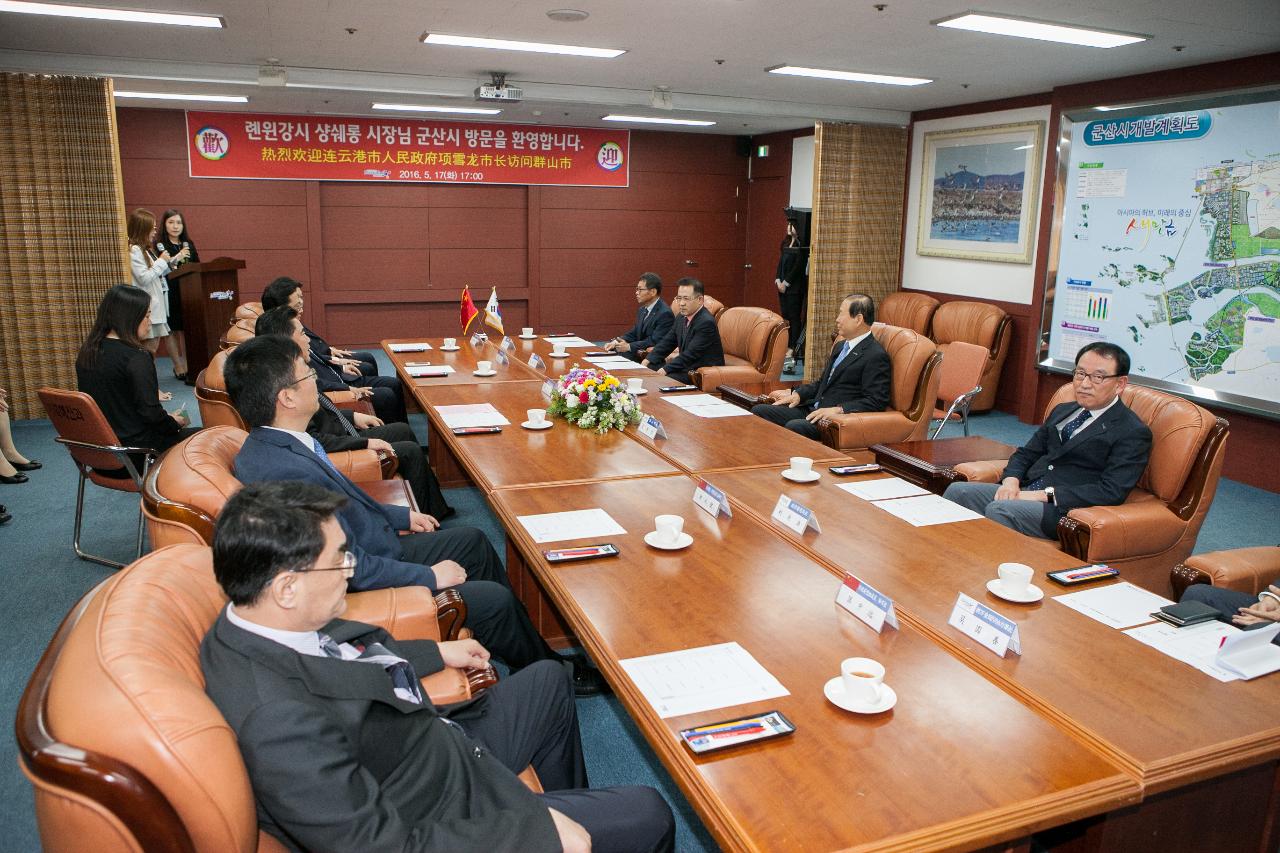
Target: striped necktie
column 404, row 680
column 328, row 406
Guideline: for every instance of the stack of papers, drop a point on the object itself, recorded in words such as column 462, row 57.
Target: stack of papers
column 419, row 370
column 883, row 490
column 615, row 362
column 1196, row 645
column 473, row 415
column 1120, row 605
column 925, row 510
column 570, row 341
column 420, row 346
column 707, row 406
column 575, row 524
column 702, row 679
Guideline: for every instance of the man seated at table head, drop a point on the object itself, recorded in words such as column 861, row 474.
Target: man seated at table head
column 344, row 749
column 857, row 377
column 694, row 333
column 340, row 430
column 339, row 369
column 275, row 392
column 653, row 320
column 1089, row 452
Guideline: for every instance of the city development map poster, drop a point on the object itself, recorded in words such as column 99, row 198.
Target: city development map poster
column 979, row 192
column 1169, row 245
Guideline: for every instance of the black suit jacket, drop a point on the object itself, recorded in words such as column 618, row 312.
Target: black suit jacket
column 652, row 325
column 698, row 342
column 862, row 383
column 1099, row 466
column 338, row 762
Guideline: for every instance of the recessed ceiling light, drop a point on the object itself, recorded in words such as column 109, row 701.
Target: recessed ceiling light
column 530, row 46
column 850, row 76
column 568, row 16
column 168, row 96
column 1005, row 25
column 102, row 13
column 648, row 120
column 418, row 108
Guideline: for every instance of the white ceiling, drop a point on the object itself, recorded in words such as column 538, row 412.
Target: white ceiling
column 671, row 43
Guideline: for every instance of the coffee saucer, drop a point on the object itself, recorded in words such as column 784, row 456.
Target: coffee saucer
column 684, row 540
column 532, row 425
column 559, row 355
column 527, row 337
column 1033, row 593
column 811, row 477
column 639, row 393
column 484, row 373
column 450, row 349
column 834, row 691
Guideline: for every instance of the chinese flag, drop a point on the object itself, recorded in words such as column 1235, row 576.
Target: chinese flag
column 492, row 314
column 469, row 310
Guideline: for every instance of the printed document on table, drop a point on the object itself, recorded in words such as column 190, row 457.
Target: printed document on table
column 881, row 490
column 419, row 346
column 925, row 510
column 702, row 679
column 1196, row 645
column 707, row 406
column 1120, row 605
column 471, row 415
column 419, row 371
column 575, row 524
column 612, row 363
column 571, row 342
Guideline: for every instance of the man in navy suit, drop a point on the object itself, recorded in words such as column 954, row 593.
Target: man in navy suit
column 275, row 392
column 653, row 320
column 694, row 333
column 857, row 378
column 1090, row 452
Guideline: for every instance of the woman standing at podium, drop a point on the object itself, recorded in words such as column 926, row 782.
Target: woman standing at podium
column 149, row 271
column 175, row 241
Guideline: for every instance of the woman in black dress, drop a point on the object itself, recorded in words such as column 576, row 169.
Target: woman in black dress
column 177, row 243
column 792, row 281
column 115, row 369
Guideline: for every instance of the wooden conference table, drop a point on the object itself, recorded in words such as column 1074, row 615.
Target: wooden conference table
column 1088, row 739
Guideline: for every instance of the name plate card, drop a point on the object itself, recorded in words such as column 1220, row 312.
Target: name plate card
column 711, row 499
column 867, row 603
column 478, row 338
column 502, row 358
column 794, row 516
column 651, row 428
column 508, row 344
column 536, row 362
column 549, row 388
column 985, row 625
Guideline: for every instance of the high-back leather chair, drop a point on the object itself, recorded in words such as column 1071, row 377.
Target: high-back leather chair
column 250, row 311
column 1157, row 525
column 755, row 345
column 212, row 397
column 982, row 324
column 115, row 733
column 238, row 332
column 1248, row 570
column 715, row 306
column 908, row 310
column 915, row 362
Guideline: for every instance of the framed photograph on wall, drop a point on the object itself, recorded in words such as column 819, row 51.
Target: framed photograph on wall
column 979, row 192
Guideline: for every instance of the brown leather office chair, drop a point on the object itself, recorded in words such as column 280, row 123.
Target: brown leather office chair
column 237, row 333
column 215, row 404
column 915, row 363
column 755, row 345
column 250, row 311
column 715, row 306
column 959, row 384
column 115, row 733
column 982, row 324
column 1157, row 525
column 1248, row 570
column 908, row 310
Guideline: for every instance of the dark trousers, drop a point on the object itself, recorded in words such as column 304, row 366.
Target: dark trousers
column 1226, row 601
column 791, row 304
column 388, row 396
column 367, row 363
column 494, row 615
column 413, row 467
column 791, row 418
column 531, row 719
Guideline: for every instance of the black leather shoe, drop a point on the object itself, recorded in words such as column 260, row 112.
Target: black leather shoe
column 587, row 680
column 27, row 466
column 4, row 514
column 14, row 480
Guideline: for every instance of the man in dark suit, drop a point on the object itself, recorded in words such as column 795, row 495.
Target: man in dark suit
column 274, row 391
column 344, row 749
column 857, row 378
column 653, row 320
column 1090, row 452
column 694, row 333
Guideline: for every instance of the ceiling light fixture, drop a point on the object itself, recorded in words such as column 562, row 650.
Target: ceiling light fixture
column 529, row 46
column 1027, row 28
column 102, row 13
column 418, row 108
column 849, row 76
column 168, row 96
column 648, row 120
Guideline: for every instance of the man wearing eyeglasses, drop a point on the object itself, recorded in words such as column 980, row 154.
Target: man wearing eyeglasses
column 653, row 320
column 1090, row 452
column 344, row 748
column 694, row 333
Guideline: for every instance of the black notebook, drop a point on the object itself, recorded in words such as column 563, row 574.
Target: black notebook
column 1186, row 613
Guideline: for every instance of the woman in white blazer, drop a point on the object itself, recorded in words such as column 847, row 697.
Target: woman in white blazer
column 149, row 271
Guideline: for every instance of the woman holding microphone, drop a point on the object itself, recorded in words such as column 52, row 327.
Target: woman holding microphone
column 149, row 271
column 175, row 242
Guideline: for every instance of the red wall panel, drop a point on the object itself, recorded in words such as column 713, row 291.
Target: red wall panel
column 389, row 228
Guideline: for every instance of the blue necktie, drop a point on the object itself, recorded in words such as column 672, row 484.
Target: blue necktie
column 324, row 457
column 844, row 350
column 1069, row 429
column 404, row 680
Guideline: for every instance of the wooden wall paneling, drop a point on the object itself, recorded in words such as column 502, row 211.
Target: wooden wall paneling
column 262, row 266
column 690, row 153
column 452, row 269
column 652, row 191
column 355, row 322
column 765, row 228
column 606, row 277
column 533, row 254
column 316, row 285
column 166, row 178
column 391, row 228
column 462, row 195
column 378, row 270
column 610, row 229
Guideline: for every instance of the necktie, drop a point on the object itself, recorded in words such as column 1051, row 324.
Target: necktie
column 328, row 406
column 404, row 681
column 1074, row 424
column 324, row 457
column 844, row 350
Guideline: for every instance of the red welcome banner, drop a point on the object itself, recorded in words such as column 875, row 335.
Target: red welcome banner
column 338, row 148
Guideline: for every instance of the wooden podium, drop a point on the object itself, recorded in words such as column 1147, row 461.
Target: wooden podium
column 210, row 293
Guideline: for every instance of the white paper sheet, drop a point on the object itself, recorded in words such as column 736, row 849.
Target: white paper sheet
column 472, row 415
column 571, row 342
column 421, row 370
column 702, row 679
column 575, row 524
column 706, row 406
column 419, row 346
column 1120, row 605
column 1196, row 645
column 926, row 510
column 886, row 489
column 612, row 364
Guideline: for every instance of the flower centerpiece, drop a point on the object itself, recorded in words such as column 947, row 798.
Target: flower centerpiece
column 592, row 399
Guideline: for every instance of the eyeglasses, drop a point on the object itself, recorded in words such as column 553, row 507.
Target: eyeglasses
column 1097, row 377
column 348, row 563
column 643, row 289
column 310, row 374
column 686, row 298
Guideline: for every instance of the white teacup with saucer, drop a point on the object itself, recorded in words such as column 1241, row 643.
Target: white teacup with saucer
column 668, row 533
column 485, row 368
column 801, row 470
column 536, row 419
column 450, row 345
column 860, row 687
column 527, row 334
column 1014, row 584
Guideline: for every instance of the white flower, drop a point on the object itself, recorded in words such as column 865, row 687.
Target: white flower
column 570, row 401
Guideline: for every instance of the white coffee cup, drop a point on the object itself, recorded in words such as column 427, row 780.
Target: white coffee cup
column 526, row 332
column 635, row 384
column 484, row 366
column 801, row 466
column 668, row 528
column 862, row 678
column 451, row 342
column 558, row 351
column 1015, row 578
column 536, row 416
